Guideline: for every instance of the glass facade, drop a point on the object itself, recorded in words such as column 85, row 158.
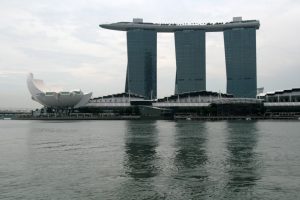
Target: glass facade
column 190, row 61
column 141, row 75
column 240, row 54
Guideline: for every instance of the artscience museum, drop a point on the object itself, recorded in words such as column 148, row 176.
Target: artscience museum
column 55, row 97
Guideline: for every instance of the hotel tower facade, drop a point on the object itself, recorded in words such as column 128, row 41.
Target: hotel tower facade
column 240, row 55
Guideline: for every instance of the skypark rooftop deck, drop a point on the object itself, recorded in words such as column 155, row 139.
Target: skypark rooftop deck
column 171, row 27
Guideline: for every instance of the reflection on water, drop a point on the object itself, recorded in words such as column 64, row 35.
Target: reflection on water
column 190, row 160
column 140, row 161
column 244, row 162
column 190, row 145
column 140, row 148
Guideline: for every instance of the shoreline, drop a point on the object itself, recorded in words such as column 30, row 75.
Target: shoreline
column 136, row 117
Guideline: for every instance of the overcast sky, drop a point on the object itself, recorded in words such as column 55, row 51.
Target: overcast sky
column 60, row 42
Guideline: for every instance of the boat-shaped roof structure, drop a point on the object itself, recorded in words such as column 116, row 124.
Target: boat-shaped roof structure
column 138, row 23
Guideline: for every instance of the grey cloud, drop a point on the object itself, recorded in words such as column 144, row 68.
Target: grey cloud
column 60, row 39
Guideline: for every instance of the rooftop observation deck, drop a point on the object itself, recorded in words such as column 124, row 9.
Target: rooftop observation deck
column 171, row 27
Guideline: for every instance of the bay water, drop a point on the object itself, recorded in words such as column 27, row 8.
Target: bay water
column 149, row 159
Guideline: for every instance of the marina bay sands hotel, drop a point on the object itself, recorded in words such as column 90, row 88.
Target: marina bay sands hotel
column 240, row 55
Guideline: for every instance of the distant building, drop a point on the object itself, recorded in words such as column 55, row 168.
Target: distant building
column 284, row 101
column 208, row 103
column 292, row 95
column 260, row 90
column 117, row 99
column 195, row 97
column 115, row 103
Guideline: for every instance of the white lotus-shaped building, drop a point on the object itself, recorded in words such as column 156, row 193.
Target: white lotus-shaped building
column 55, row 97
